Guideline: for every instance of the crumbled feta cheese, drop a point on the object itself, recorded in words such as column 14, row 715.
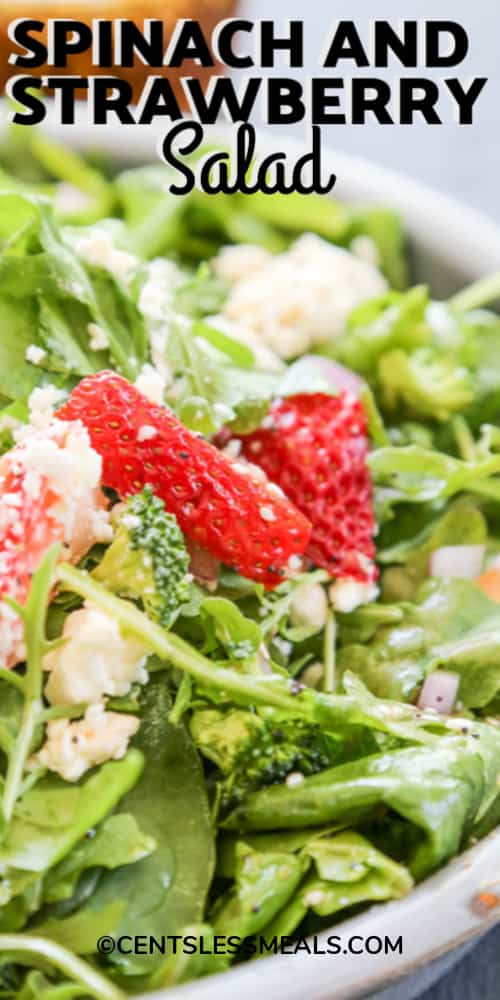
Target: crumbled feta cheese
column 303, row 297
column 233, row 449
column 98, row 249
column 61, row 454
column 12, row 648
column 314, row 897
column 146, row 432
column 156, row 303
column 96, row 660
column 42, row 403
column 34, row 354
column 267, row 513
column 69, row 200
column 152, row 384
column 235, row 262
column 347, row 595
column 99, row 340
column 309, row 605
column 294, row 779
column 71, row 748
column 158, row 291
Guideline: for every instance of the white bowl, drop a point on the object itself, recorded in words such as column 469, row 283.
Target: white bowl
column 451, row 245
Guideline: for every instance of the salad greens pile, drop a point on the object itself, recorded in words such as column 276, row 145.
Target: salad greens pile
column 282, row 775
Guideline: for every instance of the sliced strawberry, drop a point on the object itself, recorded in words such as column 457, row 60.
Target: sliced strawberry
column 240, row 520
column 314, row 447
column 27, row 530
column 48, row 493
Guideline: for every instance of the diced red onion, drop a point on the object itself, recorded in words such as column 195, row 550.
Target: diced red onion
column 335, row 375
column 439, row 691
column 460, row 561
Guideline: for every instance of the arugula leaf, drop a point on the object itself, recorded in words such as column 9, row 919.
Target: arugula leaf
column 418, row 475
column 394, row 320
column 409, row 559
column 212, row 390
column 33, row 615
column 239, row 636
column 385, row 228
column 423, row 384
column 452, row 624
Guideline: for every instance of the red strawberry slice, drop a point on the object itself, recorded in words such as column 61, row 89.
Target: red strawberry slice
column 314, row 447
column 27, row 530
column 242, row 522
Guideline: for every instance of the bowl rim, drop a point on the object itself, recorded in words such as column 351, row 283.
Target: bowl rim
column 468, row 241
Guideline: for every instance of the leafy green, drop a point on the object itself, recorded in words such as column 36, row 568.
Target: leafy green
column 423, row 385
column 51, row 818
column 419, row 475
column 117, row 841
column 439, row 790
column 165, row 891
column 33, row 615
column 264, row 884
column 391, row 321
column 213, row 390
column 409, row 559
column 452, row 624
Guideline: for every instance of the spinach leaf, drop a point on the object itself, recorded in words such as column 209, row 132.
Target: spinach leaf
column 51, row 818
column 440, row 790
column 117, row 841
column 167, row 890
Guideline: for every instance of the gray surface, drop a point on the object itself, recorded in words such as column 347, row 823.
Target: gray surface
column 463, row 161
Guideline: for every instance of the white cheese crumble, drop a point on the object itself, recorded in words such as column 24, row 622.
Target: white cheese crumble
column 294, row 779
column 347, row 595
column 156, row 303
column 300, row 298
column 35, row 355
column 42, row 404
column 60, row 454
column 99, row 340
column 309, row 605
column 98, row 249
column 152, row 384
column 69, row 200
column 72, row 748
column 146, row 432
column 96, row 660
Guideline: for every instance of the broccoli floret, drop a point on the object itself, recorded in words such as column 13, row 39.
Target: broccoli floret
column 272, row 751
column 147, row 559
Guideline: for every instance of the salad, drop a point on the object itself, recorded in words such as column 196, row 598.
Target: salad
column 249, row 568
